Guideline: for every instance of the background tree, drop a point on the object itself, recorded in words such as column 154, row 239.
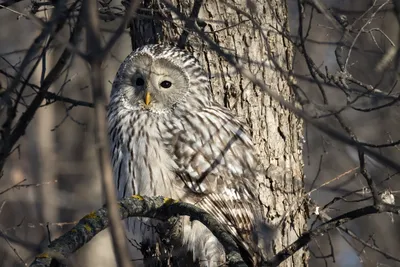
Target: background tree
column 344, row 83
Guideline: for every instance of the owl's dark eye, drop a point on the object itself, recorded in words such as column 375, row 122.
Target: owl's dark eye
column 165, row 84
column 139, row 82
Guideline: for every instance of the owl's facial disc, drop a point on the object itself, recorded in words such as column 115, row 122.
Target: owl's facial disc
column 160, row 85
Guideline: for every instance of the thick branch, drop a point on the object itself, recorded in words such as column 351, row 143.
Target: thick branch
column 151, row 207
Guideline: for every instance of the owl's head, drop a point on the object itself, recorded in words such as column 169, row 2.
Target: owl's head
column 159, row 77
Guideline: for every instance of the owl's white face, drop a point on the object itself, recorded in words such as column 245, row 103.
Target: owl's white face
column 154, row 84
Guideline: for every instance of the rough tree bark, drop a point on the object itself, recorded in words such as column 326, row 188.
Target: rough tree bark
column 277, row 134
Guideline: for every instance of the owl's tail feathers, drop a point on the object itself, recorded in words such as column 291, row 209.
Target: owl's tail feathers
column 258, row 247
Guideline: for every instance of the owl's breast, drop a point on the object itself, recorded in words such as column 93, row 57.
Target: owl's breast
column 141, row 163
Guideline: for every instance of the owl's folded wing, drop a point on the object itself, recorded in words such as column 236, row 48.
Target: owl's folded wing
column 216, row 162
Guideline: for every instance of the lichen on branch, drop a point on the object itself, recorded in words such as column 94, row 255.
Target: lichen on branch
column 160, row 208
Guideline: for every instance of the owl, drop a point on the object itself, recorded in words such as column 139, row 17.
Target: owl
column 170, row 138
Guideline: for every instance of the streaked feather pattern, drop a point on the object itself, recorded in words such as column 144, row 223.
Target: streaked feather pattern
column 185, row 146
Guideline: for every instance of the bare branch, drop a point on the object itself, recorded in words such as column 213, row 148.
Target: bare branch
column 306, row 237
column 325, row 217
column 6, row 3
column 25, row 119
column 136, row 206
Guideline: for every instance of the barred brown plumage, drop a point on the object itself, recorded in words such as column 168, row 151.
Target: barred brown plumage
column 169, row 137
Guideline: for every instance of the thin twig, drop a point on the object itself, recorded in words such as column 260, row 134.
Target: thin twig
column 12, row 187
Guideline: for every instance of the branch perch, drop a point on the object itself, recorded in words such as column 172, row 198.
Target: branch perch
column 135, row 206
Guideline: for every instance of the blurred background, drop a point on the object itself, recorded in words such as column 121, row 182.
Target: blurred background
column 374, row 32
column 50, row 181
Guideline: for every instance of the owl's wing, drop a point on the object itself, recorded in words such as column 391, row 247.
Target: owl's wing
column 215, row 159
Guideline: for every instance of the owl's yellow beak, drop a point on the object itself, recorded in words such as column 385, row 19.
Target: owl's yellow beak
column 147, row 98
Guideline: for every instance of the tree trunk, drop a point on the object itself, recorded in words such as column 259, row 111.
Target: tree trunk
column 276, row 133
